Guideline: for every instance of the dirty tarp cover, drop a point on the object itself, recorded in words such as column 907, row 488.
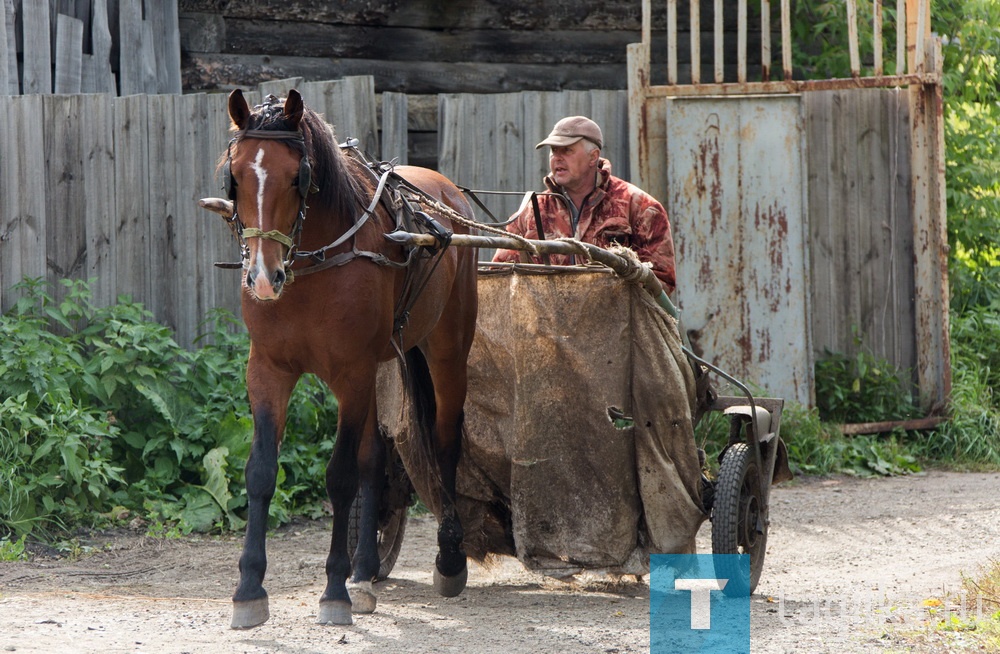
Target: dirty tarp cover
column 545, row 475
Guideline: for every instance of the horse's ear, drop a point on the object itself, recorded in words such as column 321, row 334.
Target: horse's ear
column 239, row 110
column 293, row 109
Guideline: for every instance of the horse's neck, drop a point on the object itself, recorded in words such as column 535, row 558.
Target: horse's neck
column 325, row 224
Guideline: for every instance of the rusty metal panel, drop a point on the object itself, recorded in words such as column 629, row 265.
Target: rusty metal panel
column 736, row 203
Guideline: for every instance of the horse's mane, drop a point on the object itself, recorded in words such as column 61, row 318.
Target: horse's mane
column 331, row 174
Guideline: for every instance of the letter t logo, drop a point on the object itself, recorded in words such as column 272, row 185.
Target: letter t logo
column 701, row 602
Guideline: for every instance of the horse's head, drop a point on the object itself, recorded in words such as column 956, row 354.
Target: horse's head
column 267, row 175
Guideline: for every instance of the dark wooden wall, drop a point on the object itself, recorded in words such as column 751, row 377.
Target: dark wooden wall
column 426, row 47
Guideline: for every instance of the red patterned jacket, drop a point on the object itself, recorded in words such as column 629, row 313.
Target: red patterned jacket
column 615, row 212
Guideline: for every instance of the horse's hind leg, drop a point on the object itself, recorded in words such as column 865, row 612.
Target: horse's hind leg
column 450, row 569
column 269, row 393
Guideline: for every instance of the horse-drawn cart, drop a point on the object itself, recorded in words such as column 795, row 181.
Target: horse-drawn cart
column 579, row 452
column 577, row 398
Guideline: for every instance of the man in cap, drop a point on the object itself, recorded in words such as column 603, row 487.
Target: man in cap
column 588, row 203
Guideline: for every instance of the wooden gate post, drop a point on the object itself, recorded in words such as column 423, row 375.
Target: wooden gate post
column 929, row 210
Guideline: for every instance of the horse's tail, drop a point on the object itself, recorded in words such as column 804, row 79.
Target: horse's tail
column 420, row 389
column 423, row 417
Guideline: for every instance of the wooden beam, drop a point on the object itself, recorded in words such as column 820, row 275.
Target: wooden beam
column 928, row 206
column 854, row 429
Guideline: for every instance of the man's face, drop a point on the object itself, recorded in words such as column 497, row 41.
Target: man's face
column 572, row 166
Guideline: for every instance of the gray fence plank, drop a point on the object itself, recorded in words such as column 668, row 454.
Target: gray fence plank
column 130, row 37
column 9, row 27
column 8, row 47
column 395, row 111
column 69, row 54
column 104, row 77
column 188, row 112
column 37, row 51
column 164, row 233
column 862, row 254
column 22, row 195
column 149, row 63
column 132, row 187
column 66, row 245
column 219, row 243
column 96, row 116
column 162, row 16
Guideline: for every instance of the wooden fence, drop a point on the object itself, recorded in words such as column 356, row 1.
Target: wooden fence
column 93, row 186
column 99, row 187
column 89, row 46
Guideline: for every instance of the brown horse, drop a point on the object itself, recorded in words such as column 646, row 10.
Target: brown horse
column 326, row 293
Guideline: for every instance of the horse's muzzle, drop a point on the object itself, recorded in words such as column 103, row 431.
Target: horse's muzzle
column 263, row 285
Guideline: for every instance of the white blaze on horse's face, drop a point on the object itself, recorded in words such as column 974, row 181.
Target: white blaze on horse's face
column 261, row 285
column 268, row 202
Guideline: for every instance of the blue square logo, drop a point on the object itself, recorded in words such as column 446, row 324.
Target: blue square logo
column 689, row 608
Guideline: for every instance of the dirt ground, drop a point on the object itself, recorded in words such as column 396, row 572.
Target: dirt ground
column 849, row 568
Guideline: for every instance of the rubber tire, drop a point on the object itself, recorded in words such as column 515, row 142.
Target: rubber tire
column 738, row 502
column 390, row 537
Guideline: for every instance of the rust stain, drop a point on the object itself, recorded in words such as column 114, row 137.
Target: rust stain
column 708, row 182
column 773, row 220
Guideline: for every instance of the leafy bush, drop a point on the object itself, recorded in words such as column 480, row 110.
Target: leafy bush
column 861, row 388
column 101, row 412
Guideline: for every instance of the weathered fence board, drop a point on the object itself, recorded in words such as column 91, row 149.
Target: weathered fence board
column 861, row 231
column 132, row 166
column 37, row 51
column 395, row 111
column 66, row 239
column 103, row 76
column 69, row 54
column 163, row 210
column 22, row 194
column 8, row 47
column 97, row 173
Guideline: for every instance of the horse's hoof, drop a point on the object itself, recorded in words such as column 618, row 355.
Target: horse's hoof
column 337, row 612
column 247, row 615
column 363, row 598
column 450, row 586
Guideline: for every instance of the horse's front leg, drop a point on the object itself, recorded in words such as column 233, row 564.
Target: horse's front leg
column 371, row 468
column 269, row 392
column 342, row 474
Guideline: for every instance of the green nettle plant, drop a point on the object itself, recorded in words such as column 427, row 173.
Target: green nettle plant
column 861, row 388
column 103, row 415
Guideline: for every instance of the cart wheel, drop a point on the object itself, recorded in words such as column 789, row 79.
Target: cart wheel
column 389, row 537
column 737, row 524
